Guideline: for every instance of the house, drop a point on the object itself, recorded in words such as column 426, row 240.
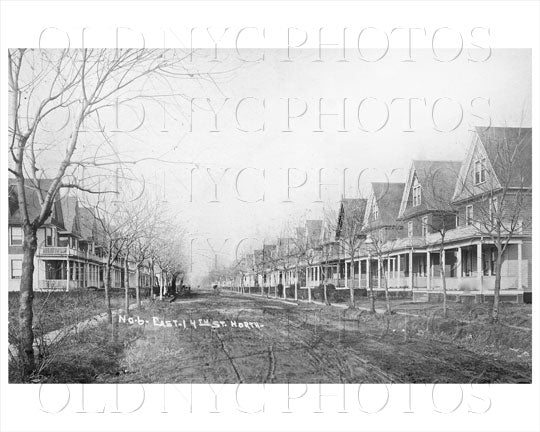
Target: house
column 381, row 226
column 450, row 218
column 70, row 253
column 426, row 210
column 47, row 234
column 493, row 198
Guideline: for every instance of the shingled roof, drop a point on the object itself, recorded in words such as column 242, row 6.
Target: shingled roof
column 313, row 231
column 352, row 209
column 510, row 152
column 509, row 161
column 387, row 198
column 70, row 214
column 437, row 179
column 32, row 202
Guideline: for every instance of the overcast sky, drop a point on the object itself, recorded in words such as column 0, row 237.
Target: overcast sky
column 373, row 131
column 498, row 89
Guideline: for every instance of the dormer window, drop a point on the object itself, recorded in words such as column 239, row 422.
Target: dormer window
column 417, row 193
column 480, row 171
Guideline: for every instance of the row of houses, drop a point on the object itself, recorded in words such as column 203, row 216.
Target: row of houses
column 71, row 250
column 451, row 215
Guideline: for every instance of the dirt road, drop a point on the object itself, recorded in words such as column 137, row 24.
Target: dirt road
column 264, row 340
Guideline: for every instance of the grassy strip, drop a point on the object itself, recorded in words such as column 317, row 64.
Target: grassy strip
column 54, row 310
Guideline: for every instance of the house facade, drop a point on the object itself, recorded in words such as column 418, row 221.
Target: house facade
column 450, row 218
column 70, row 250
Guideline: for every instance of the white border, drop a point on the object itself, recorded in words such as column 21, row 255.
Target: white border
column 512, row 407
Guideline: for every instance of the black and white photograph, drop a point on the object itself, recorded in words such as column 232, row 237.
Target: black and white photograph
column 334, row 211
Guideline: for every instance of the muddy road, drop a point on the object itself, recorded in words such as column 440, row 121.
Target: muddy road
column 252, row 339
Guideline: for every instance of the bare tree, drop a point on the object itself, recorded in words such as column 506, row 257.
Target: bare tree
column 439, row 179
column 382, row 246
column 141, row 248
column 348, row 226
column 73, row 88
column 111, row 218
column 328, row 250
column 305, row 252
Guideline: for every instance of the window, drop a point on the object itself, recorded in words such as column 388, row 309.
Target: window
column 424, row 226
column 16, row 269
column 417, row 193
column 480, row 171
column 469, row 215
column 49, row 237
column 16, row 236
column 375, row 211
column 410, row 228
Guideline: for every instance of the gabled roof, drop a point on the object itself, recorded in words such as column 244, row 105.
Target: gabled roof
column 32, row 202
column 352, row 209
column 88, row 224
column 285, row 246
column 70, row 213
column 386, row 197
column 313, row 231
column 437, row 179
column 509, row 158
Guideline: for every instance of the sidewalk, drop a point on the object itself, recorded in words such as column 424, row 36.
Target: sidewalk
column 56, row 335
column 363, row 308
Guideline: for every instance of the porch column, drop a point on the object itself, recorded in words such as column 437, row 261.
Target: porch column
column 346, row 273
column 399, row 270
column 410, row 270
column 309, row 287
column 479, row 269
column 378, row 272
column 428, row 265
column 520, row 265
column 459, row 271
column 68, row 274
column 368, row 272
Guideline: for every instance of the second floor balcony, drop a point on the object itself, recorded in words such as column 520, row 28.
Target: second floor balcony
column 67, row 252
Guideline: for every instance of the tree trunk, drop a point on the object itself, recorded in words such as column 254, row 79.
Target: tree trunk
column 443, row 280
column 296, row 283
column 161, row 285
column 152, row 278
column 138, row 285
column 126, row 284
column 107, row 290
column 173, row 284
column 371, row 298
column 497, row 290
column 26, row 298
column 387, row 293
column 351, row 284
column 325, row 285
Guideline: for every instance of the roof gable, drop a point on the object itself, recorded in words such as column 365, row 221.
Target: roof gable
column 351, row 209
column 33, row 202
column 437, row 181
column 385, row 200
column 508, row 154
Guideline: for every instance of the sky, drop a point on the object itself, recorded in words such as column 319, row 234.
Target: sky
column 240, row 151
